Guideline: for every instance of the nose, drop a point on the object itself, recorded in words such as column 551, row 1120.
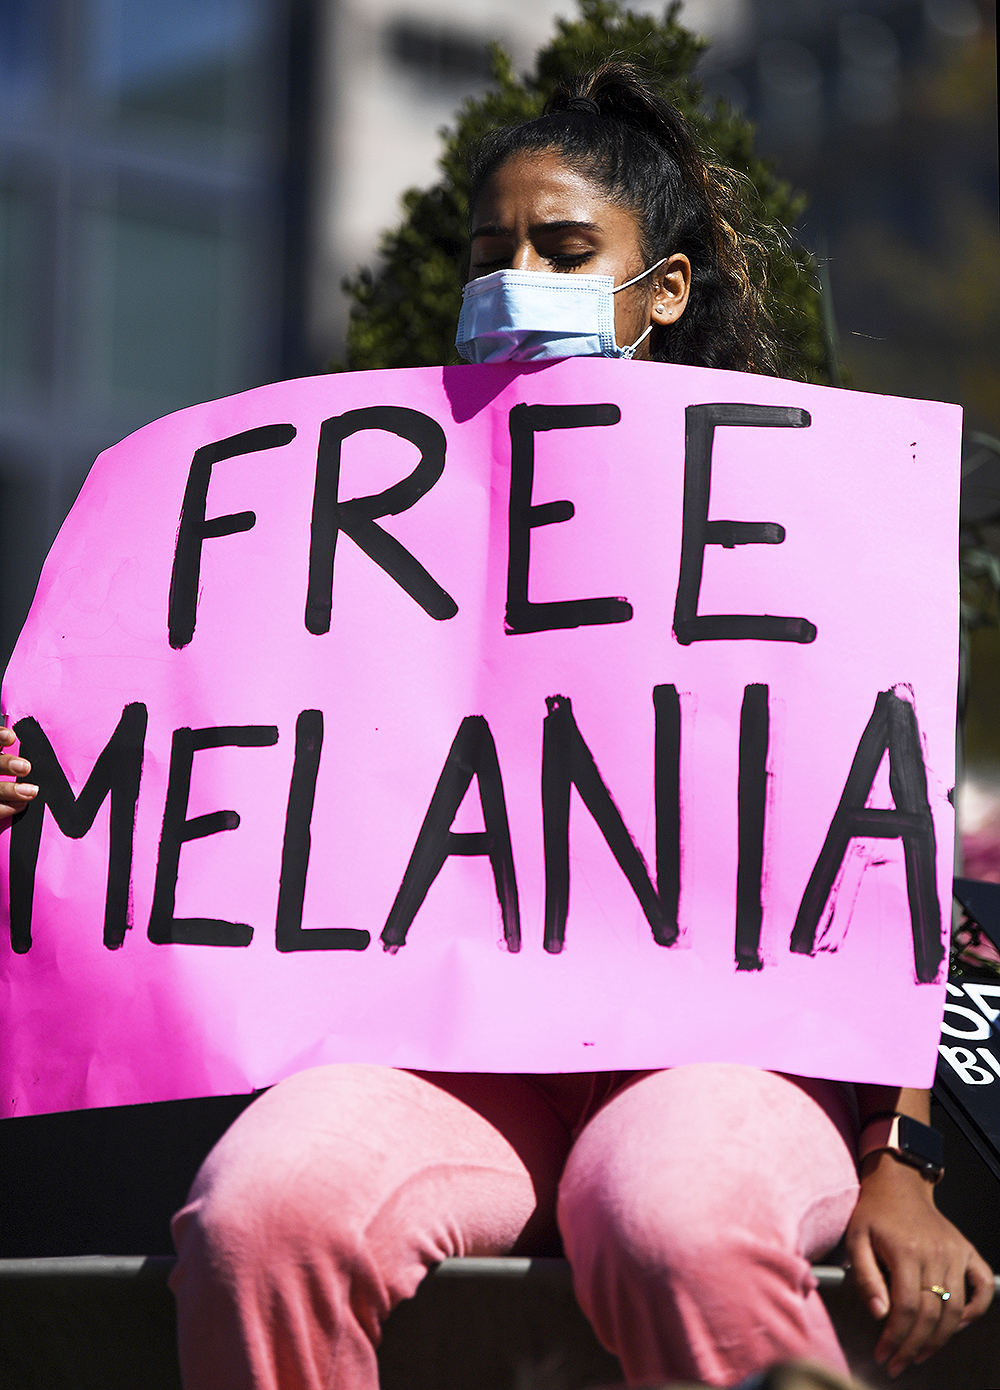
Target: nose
column 526, row 257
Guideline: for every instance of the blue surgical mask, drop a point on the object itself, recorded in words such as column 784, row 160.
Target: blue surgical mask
column 530, row 315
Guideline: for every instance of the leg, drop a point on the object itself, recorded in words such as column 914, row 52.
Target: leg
column 327, row 1202
column 690, row 1208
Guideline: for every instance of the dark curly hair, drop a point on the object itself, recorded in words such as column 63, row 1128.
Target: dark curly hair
column 613, row 127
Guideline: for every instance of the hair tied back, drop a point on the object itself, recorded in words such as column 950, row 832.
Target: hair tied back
column 584, row 105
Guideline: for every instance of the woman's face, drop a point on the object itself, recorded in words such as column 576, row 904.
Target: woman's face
column 536, row 213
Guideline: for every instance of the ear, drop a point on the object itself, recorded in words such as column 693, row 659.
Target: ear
column 671, row 287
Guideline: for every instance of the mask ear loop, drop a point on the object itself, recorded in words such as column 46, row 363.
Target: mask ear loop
column 641, row 276
column 628, row 352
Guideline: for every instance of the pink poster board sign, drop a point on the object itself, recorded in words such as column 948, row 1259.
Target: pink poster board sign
column 596, row 715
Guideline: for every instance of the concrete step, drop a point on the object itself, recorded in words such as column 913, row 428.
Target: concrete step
column 107, row 1323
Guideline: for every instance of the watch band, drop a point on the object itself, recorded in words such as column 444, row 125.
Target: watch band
column 907, row 1140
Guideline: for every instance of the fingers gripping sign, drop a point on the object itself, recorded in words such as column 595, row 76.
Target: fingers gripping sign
column 14, row 795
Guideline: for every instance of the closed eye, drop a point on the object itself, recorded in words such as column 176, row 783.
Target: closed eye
column 563, row 244
column 559, row 260
column 569, row 260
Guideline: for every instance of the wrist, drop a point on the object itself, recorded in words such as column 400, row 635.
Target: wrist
column 882, row 1168
column 905, row 1141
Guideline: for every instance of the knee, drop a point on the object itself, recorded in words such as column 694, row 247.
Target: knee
column 264, row 1197
column 708, row 1163
column 647, row 1233
column 241, row 1213
column 245, row 1226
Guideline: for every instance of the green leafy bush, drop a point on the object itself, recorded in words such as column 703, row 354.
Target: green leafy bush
column 404, row 314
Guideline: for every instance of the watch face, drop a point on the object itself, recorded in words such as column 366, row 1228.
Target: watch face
column 920, row 1143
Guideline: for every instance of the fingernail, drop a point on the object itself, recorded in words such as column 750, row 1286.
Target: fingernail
column 26, row 789
column 19, row 765
column 879, row 1308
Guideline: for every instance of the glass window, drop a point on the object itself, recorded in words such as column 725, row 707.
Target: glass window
column 19, row 288
column 23, row 50
column 189, row 66
column 164, row 318
column 440, row 54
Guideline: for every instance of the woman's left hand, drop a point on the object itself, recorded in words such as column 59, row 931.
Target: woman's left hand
column 14, row 796
column 900, row 1247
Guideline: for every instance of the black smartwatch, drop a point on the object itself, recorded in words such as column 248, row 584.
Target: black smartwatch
column 907, row 1140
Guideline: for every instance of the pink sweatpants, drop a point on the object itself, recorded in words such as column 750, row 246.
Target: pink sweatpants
column 690, row 1203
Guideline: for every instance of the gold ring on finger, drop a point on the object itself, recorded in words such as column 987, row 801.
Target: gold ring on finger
column 941, row 1292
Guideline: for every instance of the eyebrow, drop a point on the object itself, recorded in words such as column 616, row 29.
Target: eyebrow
column 492, row 229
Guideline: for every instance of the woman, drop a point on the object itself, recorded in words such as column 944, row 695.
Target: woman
column 690, row 1202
